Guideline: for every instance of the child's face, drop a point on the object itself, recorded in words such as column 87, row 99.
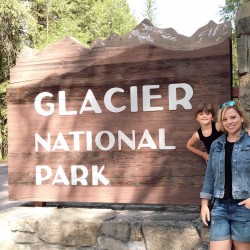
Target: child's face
column 204, row 118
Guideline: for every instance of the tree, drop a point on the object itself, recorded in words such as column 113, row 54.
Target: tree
column 85, row 20
column 150, row 11
column 37, row 23
column 16, row 28
column 3, row 120
column 106, row 17
column 228, row 11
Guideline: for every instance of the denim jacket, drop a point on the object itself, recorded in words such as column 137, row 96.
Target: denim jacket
column 215, row 173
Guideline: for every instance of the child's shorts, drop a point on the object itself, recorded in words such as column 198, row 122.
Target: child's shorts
column 230, row 221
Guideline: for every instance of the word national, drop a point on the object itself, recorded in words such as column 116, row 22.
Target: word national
column 84, row 140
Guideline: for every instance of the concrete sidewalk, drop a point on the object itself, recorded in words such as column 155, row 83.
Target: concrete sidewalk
column 4, row 195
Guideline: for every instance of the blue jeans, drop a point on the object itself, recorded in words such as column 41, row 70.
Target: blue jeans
column 230, row 221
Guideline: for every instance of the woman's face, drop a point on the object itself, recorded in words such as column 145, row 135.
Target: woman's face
column 232, row 121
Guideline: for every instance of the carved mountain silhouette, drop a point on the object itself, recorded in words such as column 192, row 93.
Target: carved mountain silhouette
column 144, row 42
column 145, row 32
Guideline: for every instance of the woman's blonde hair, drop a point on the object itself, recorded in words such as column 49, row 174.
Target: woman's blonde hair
column 238, row 108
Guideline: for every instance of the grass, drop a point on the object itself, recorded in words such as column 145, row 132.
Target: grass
column 3, row 160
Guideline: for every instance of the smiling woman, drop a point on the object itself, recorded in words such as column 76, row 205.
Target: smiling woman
column 185, row 17
column 227, row 180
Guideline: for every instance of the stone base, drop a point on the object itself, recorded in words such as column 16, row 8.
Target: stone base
column 115, row 228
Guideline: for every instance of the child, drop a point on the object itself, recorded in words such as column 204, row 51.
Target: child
column 207, row 133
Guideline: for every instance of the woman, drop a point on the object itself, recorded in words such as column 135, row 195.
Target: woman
column 228, row 181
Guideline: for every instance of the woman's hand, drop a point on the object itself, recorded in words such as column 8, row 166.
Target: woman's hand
column 246, row 203
column 205, row 213
column 205, row 156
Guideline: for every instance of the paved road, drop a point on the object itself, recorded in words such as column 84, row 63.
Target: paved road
column 4, row 195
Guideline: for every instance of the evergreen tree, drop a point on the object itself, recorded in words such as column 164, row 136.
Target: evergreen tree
column 85, row 20
column 150, row 11
column 37, row 23
column 15, row 30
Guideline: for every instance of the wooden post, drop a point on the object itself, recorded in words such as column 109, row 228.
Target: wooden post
column 243, row 47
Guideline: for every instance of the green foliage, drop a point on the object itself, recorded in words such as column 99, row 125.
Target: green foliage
column 9, row 36
column 15, row 28
column 106, row 17
column 85, row 20
column 228, row 11
column 150, row 11
column 3, row 120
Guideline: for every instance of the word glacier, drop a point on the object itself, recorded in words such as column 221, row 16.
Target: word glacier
column 90, row 102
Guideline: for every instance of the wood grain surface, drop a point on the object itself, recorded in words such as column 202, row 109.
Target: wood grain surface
column 140, row 175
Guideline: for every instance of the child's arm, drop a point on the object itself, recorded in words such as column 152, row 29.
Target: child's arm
column 248, row 131
column 190, row 146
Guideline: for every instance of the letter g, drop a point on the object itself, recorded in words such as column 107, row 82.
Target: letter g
column 38, row 107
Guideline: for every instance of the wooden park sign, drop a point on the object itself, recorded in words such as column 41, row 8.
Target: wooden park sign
column 110, row 123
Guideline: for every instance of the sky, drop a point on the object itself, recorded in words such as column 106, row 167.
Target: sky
column 185, row 16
